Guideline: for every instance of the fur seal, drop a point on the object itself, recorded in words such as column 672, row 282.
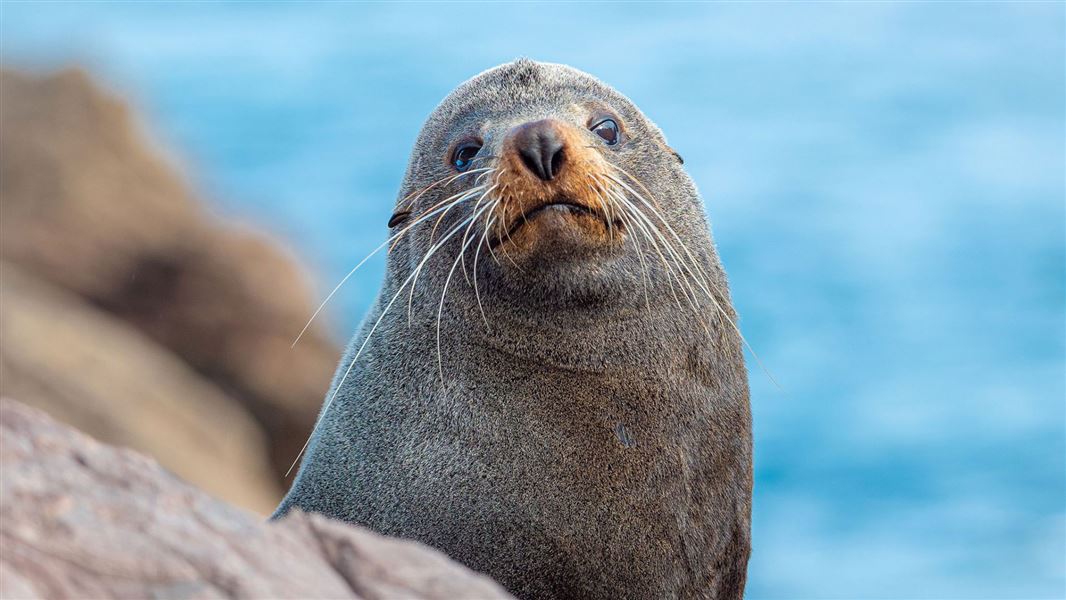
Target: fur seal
column 551, row 386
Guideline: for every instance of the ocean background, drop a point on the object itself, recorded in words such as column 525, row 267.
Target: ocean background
column 885, row 182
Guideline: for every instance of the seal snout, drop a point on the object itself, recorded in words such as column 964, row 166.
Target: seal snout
column 541, row 147
column 551, row 188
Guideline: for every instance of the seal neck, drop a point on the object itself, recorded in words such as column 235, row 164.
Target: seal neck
column 630, row 340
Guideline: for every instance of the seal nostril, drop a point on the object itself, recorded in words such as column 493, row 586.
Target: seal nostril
column 541, row 149
column 556, row 162
column 533, row 163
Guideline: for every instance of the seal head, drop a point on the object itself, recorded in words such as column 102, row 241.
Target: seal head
column 550, row 387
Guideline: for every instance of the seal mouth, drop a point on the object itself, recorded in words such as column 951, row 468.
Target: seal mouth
column 563, row 205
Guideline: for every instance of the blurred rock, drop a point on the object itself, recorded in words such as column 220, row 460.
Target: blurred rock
column 104, row 377
column 81, row 520
column 90, row 205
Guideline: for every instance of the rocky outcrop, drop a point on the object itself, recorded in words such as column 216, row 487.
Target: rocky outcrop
column 111, row 381
column 79, row 519
column 91, row 206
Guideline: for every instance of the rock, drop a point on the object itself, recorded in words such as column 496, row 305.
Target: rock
column 85, row 196
column 91, row 205
column 97, row 373
column 79, row 519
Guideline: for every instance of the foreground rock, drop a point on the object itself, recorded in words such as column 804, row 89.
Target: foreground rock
column 91, row 205
column 79, row 519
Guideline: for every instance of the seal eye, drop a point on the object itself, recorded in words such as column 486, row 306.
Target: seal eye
column 608, row 130
column 464, row 156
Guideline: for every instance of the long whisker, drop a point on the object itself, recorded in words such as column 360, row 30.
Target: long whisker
column 639, row 221
column 484, row 243
column 370, row 334
column 694, row 267
column 503, row 194
column 492, row 223
column 637, row 181
column 486, row 194
column 411, row 295
column 700, row 276
column 480, row 245
column 454, row 196
column 393, row 238
column 414, row 196
column 644, row 227
column 679, row 275
column 694, row 264
column 624, row 217
column 448, row 280
column 655, row 236
column 683, row 266
column 471, row 192
column 693, row 299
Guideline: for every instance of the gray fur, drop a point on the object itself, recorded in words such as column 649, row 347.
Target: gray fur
column 582, row 445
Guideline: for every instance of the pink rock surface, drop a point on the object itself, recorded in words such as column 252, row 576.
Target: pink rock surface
column 80, row 519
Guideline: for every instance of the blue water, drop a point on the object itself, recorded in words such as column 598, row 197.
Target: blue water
column 885, row 181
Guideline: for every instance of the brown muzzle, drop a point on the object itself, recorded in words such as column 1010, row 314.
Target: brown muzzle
column 548, row 164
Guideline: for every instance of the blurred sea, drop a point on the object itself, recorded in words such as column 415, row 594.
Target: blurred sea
column 886, row 186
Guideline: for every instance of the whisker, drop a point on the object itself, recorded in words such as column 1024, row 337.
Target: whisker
column 369, row 335
column 641, row 225
column 487, row 193
column 454, row 196
column 480, row 245
column 393, row 238
column 411, row 295
column 467, row 194
column 691, row 296
column 637, row 181
column 694, row 268
column 440, row 309
column 673, row 273
column 693, row 299
column 488, row 227
column 636, row 242
column 447, row 180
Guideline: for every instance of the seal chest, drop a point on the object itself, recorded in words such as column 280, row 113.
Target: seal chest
column 550, row 387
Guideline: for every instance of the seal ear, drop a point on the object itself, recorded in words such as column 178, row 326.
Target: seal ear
column 398, row 217
column 672, row 151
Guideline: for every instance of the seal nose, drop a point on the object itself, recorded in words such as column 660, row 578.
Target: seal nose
column 541, row 148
